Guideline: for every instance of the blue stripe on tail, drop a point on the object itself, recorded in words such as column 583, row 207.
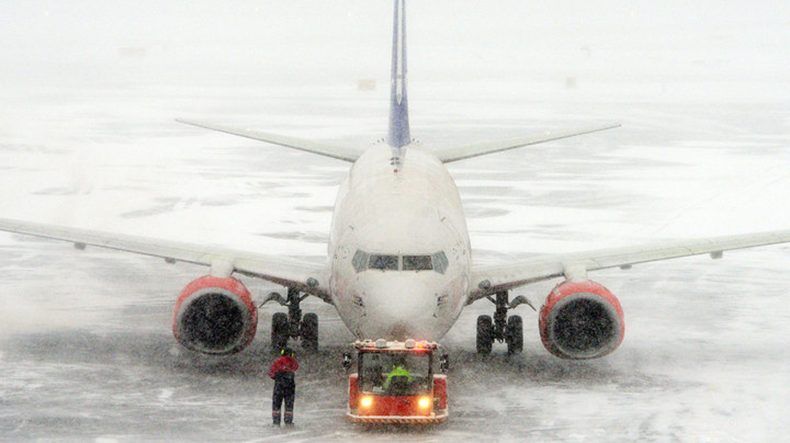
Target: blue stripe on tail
column 398, row 135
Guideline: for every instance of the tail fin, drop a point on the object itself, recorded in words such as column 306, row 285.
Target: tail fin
column 398, row 135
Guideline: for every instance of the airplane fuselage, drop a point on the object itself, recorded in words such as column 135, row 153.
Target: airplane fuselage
column 399, row 249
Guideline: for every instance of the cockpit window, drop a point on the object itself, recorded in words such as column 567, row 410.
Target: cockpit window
column 417, row 263
column 440, row 262
column 360, row 261
column 363, row 261
column 383, row 262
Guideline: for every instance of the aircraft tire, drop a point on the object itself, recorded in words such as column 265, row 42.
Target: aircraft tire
column 279, row 332
column 310, row 332
column 515, row 335
column 485, row 334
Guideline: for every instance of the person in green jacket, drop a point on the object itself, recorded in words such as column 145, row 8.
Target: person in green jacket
column 398, row 370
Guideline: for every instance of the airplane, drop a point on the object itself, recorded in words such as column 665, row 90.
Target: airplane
column 400, row 261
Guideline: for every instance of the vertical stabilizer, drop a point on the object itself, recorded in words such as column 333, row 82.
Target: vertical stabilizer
column 399, row 136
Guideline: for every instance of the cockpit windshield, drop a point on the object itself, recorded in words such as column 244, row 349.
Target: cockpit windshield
column 395, row 373
column 417, row 263
column 383, row 262
column 387, row 262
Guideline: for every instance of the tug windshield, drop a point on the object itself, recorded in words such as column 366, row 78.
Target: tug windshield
column 400, row 373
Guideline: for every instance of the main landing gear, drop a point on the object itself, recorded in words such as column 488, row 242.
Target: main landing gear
column 293, row 324
column 501, row 327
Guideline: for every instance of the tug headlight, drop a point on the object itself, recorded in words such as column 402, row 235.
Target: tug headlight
column 366, row 401
column 424, row 402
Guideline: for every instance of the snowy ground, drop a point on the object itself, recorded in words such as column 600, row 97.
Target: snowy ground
column 86, row 352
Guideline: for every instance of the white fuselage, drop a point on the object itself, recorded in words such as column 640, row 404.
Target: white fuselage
column 403, row 217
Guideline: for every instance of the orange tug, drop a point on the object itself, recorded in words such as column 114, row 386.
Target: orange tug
column 395, row 383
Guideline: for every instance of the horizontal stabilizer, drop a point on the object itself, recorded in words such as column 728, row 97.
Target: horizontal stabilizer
column 340, row 153
column 464, row 152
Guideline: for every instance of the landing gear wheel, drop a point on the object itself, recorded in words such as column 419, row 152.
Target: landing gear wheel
column 279, row 332
column 485, row 334
column 515, row 335
column 310, row 332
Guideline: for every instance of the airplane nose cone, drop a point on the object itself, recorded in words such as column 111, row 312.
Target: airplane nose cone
column 399, row 307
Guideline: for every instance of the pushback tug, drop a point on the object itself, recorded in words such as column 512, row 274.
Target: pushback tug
column 376, row 396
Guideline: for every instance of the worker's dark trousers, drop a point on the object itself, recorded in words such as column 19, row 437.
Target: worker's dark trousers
column 283, row 394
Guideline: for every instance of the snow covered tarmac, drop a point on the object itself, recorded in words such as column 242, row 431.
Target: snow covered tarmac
column 87, row 354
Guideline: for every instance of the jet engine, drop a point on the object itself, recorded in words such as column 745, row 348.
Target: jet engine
column 215, row 316
column 581, row 320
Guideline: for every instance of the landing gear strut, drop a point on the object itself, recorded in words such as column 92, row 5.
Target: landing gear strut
column 501, row 328
column 293, row 324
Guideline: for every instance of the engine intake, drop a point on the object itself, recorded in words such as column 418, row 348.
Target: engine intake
column 581, row 320
column 215, row 315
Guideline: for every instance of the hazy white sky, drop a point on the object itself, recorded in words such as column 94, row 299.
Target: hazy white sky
column 321, row 41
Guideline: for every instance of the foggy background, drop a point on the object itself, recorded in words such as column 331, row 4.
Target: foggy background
column 638, row 51
column 88, row 96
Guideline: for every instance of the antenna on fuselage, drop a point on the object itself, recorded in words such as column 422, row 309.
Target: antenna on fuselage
column 398, row 137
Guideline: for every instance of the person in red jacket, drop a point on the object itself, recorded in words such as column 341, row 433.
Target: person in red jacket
column 282, row 372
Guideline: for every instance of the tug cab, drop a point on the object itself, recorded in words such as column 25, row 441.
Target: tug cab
column 395, row 383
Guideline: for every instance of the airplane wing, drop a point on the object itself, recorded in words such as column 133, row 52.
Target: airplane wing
column 310, row 278
column 492, row 279
column 464, row 152
column 337, row 152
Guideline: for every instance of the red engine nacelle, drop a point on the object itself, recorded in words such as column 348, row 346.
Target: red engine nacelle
column 581, row 320
column 215, row 316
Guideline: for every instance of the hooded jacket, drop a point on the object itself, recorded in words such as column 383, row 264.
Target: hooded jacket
column 282, row 371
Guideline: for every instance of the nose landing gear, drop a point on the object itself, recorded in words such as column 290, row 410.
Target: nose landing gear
column 501, row 328
column 293, row 324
